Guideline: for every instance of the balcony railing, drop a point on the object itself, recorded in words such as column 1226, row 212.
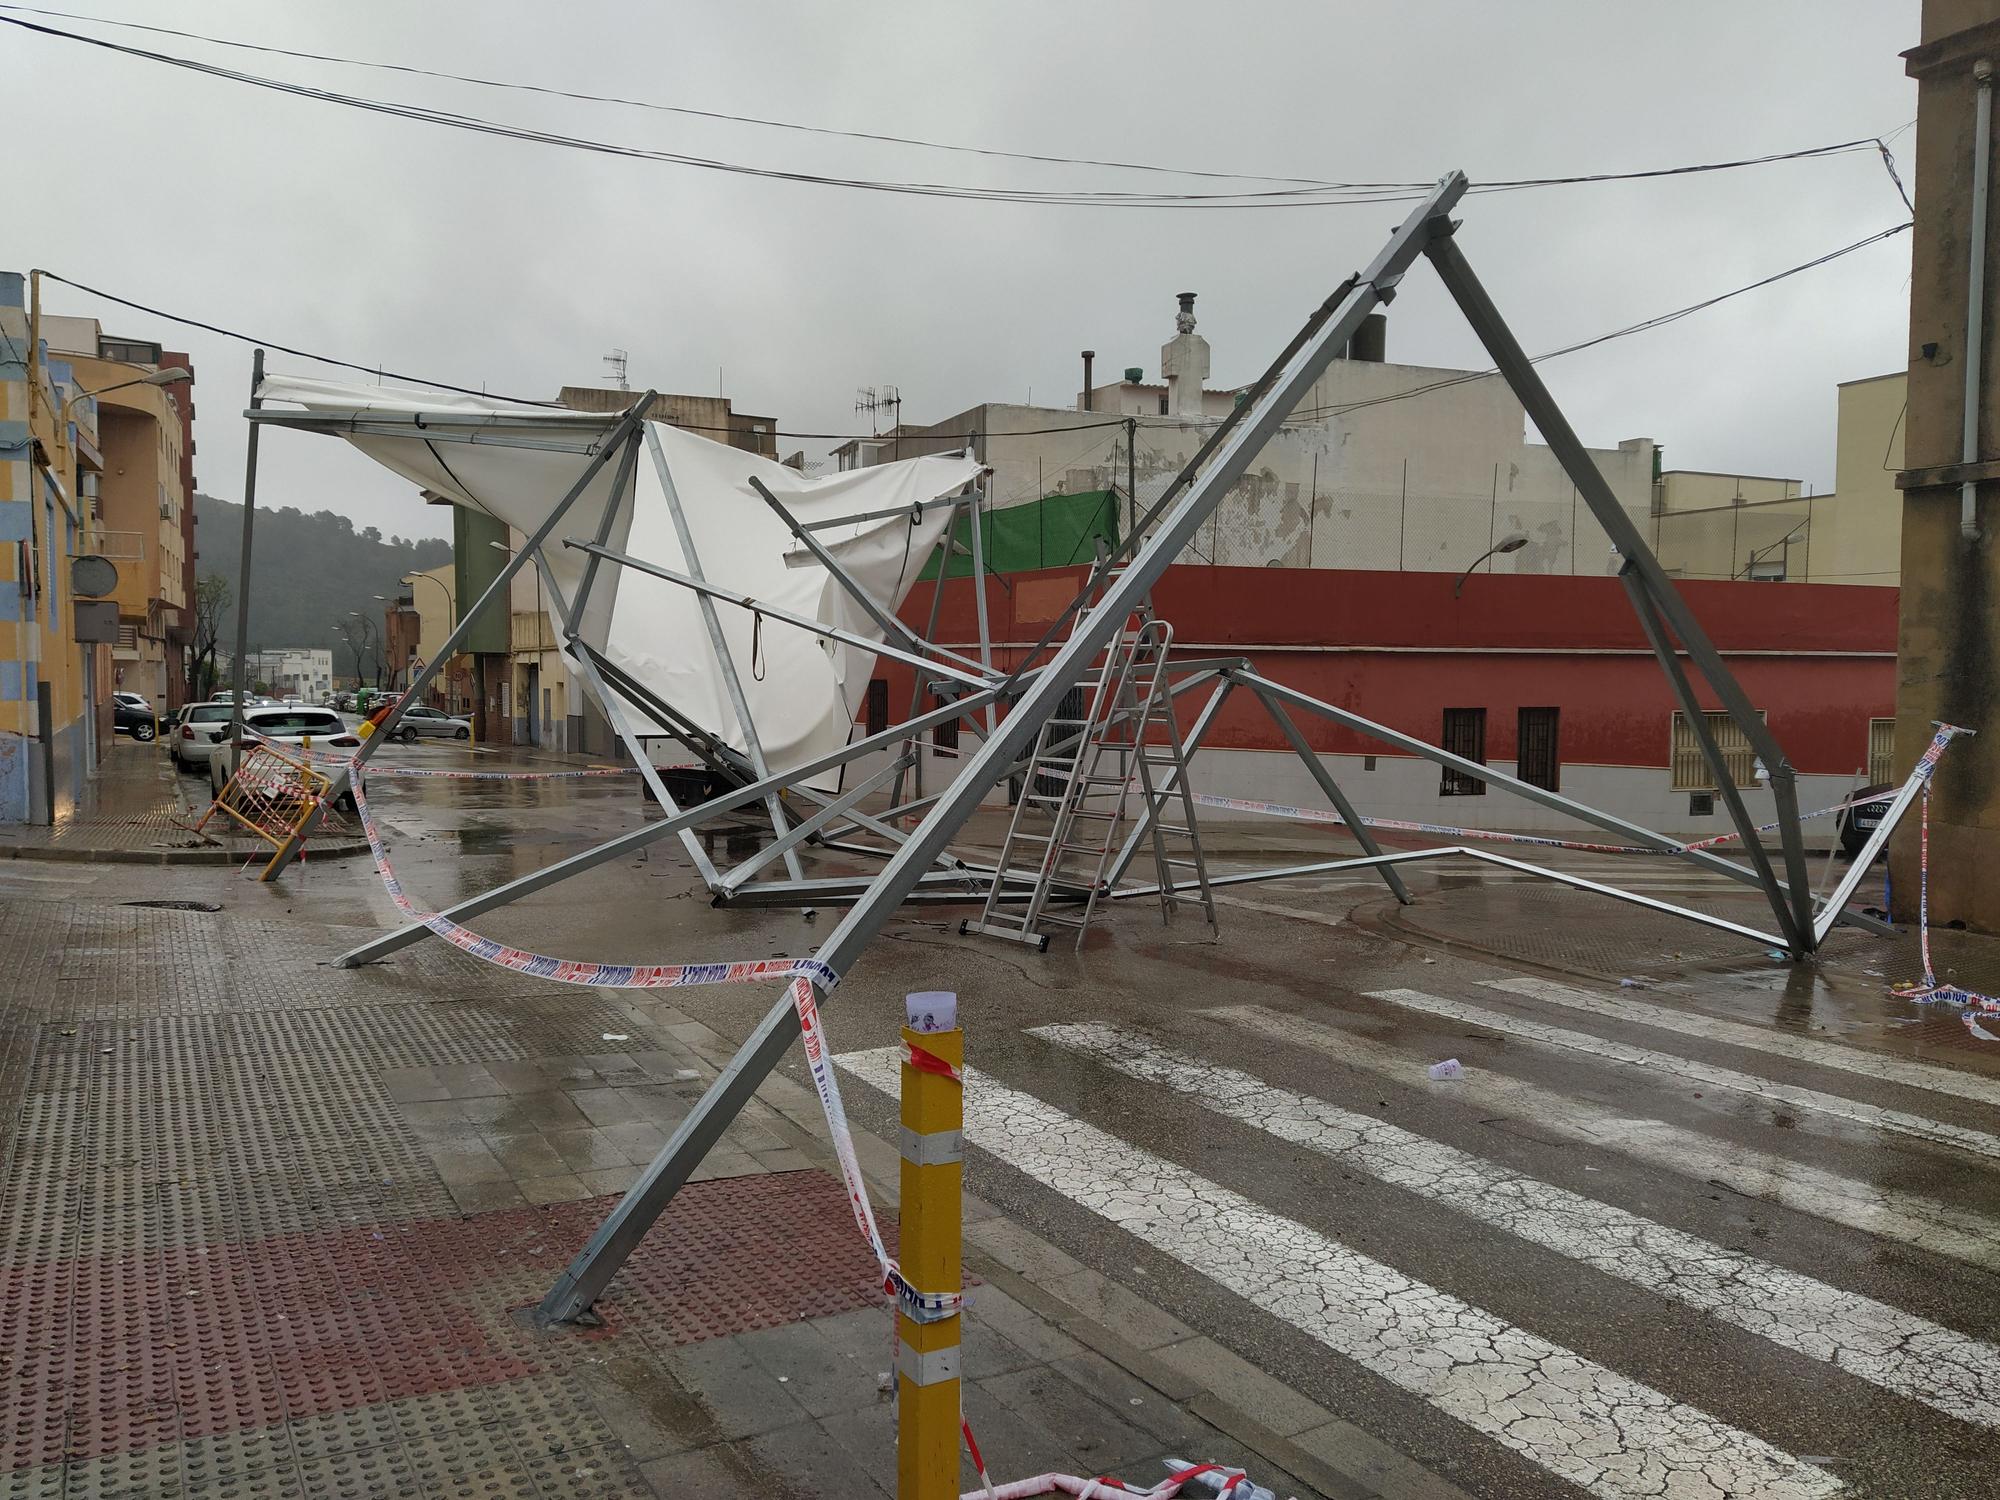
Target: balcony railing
column 121, row 546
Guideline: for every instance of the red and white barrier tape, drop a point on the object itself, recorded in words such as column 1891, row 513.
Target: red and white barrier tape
column 1929, row 990
column 567, row 970
column 444, row 774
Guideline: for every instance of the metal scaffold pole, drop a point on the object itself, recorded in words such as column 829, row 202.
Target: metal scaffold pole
column 586, row 1277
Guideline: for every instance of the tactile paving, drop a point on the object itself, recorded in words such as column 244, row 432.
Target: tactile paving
column 235, row 1365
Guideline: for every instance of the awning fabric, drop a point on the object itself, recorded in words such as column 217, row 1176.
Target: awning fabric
column 803, row 691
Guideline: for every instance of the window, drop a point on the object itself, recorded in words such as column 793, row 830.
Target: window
column 876, row 713
column 944, row 734
column 1689, row 766
column 1464, row 735
column 1163, row 405
column 1537, row 750
column 1766, row 570
column 1881, row 750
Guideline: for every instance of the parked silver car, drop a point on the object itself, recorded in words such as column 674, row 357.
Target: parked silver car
column 421, row 719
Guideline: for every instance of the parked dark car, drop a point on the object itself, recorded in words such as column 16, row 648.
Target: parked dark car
column 1857, row 823
column 134, row 719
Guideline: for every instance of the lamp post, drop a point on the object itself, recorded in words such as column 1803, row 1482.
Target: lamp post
column 450, row 619
column 171, row 375
column 1513, row 541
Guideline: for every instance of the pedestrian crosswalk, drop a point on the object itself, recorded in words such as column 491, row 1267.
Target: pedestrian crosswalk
column 1892, row 1213
column 1712, row 1075
column 1579, row 1420
column 1909, row 1355
column 1521, row 1370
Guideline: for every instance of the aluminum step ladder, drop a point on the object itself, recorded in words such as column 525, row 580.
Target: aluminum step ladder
column 1083, row 777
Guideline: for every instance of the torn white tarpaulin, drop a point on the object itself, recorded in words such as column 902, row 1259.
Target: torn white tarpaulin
column 803, row 691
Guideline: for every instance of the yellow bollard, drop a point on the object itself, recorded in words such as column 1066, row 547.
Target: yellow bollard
column 927, row 1395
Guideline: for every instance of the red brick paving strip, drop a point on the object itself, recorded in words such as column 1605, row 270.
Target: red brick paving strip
column 190, row 1342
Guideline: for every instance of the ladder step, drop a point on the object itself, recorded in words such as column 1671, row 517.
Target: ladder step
column 1036, row 940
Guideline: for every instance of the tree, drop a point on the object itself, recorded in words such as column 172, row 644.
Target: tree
column 211, row 605
column 364, row 642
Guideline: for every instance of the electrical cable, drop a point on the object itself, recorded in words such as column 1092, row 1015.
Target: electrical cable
column 1314, row 413
column 1306, row 195
column 1298, row 416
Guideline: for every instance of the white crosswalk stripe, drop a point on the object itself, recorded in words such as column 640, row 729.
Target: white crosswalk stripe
column 1903, row 1070
column 1898, row 1351
column 1898, row 1121
column 1604, row 1432
column 1910, row 1218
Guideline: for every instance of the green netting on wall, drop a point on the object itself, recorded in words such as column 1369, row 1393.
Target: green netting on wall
column 1055, row 531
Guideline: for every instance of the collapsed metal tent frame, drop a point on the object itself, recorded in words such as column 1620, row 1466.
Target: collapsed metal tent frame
column 918, row 863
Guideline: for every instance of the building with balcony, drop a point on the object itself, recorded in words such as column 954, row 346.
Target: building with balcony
column 142, row 502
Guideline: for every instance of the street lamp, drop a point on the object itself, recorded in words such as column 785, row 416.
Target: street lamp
column 451, row 599
column 171, row 375
column 1513, row 541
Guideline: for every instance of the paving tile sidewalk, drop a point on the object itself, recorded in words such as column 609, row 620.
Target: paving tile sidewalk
column 272, row 1229
column 139, row 810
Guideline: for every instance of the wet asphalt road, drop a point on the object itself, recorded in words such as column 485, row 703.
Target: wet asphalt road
column 1630, row 1251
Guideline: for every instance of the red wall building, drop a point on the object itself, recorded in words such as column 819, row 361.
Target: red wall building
column 1818, row 659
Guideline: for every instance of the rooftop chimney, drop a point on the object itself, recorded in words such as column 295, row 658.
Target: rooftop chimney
column 1089, row 402
column 1371, row 340
column 1184, row 363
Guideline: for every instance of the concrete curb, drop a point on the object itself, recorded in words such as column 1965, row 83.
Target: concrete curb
column 207, row 855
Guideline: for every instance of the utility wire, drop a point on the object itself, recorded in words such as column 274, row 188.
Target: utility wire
column 1298, row 415
column 1315, row 412
column 1306, row 194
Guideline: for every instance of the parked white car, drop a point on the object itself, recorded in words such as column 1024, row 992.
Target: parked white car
column 199, row 726
column 421, row 719
column 280, row 726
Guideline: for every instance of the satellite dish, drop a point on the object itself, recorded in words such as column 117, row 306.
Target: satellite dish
column 91, row 576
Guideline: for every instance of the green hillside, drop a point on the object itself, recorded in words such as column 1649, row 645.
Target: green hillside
column 308, row 571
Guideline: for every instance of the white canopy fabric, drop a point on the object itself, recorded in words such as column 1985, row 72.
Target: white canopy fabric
column 803, row 691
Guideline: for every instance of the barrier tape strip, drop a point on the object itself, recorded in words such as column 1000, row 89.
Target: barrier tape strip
column 1928, row 990
column 1445, row 830
column 330, row 758
column 567, row 970
column 930, row 1062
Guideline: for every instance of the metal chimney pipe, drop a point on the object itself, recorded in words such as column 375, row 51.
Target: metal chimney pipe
column 1089, row 397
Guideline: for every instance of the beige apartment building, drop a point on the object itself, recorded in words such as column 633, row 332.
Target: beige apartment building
column 1769, row 529
column 141, row 499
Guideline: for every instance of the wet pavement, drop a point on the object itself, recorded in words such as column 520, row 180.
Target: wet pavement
column 1732, row 1229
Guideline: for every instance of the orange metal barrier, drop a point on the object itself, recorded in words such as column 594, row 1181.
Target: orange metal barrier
column 272, row 794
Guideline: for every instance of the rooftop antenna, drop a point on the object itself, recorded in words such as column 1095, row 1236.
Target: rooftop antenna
column 616, row 360
column 873, row 401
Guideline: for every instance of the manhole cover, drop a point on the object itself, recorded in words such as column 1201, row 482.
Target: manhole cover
column 175, row 905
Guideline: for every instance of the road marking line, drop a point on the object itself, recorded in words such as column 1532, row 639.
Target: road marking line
column 1926, row 1223
column 1898, row 1351
column 1907, row 1071
column 1897, row 1121
column 1606, row 1433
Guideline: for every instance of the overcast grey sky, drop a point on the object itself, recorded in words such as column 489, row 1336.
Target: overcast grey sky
column 518, row 266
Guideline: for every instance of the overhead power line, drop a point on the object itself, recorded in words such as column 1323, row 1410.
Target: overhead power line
column 1661, row 321
column 1306, row 414
column 1302, row 193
